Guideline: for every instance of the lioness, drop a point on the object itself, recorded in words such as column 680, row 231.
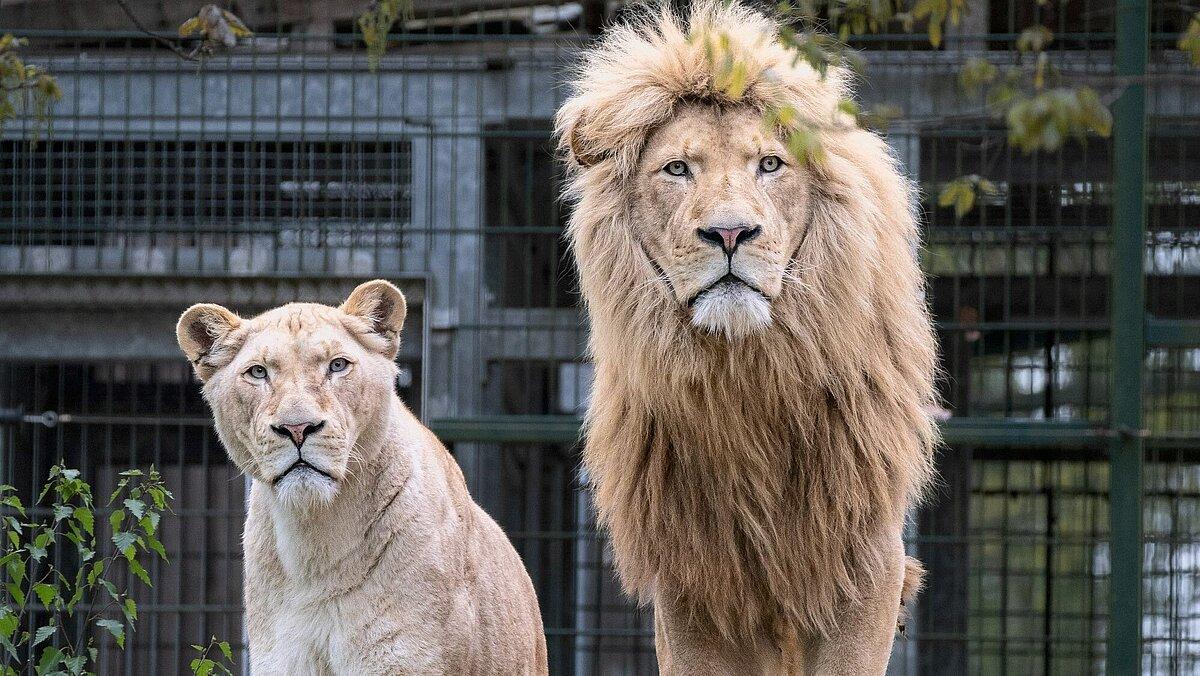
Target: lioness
column 364, row 552
column 764, row 358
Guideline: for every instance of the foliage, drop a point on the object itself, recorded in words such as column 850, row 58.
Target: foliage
column 53, row 567
column 963, row 192
column 377, row 22
column 1036, row 115
column 215, row 658
column 1189, row 41
column 24, row 87
column 1040, row 108
column 214, row 26
column 939, row 14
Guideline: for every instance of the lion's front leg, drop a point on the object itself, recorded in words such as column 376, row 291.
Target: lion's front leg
column 683, row 649
column 862, row 643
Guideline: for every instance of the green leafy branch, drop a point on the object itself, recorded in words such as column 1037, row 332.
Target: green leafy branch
column 56, row 560
column 377, row 21
column 963, row 192
column 208, row 663
column 1040, row 108
column 24, row 87
column 1038, row 116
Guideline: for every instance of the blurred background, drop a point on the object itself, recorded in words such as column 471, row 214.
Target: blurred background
column 285, row 169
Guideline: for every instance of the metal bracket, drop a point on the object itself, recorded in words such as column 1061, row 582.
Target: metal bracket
column 16, row 415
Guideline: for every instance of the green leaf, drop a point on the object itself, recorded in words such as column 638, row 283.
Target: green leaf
column 14, row 502
column 85, row 517
column 149, row 523
column 76, row 597
column 16, row 569
column 137, row 569
column 15, row 593
column 159, row 496
column 136, row 507
column 124, row 542
column 50, row 657
column 111, row 589
column 116, row 519
column 42, row 634
column 8, row 622
column 76, row 664
column 130, row 610
column 46, row 593
column 202, row 666
column 37, row 548
column 95, row 572
column 116, row 629
column 226, row 650
column 157, row 546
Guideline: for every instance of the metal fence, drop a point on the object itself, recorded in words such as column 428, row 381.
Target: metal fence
column 1064, row 535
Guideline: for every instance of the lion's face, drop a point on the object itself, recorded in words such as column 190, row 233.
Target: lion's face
column 718, row 205
column 294, row 390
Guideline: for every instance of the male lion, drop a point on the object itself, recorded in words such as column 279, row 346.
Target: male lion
column 764, row 356
column 364, row 552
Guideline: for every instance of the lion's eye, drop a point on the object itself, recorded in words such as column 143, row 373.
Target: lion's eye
column 769, row 164
column 676, row 168
column 338, row 365
column 258, row 372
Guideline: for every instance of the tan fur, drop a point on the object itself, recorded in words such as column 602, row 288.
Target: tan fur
column 375, row 560
column 754, row 476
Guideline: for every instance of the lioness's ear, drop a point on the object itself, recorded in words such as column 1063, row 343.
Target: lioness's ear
column 199, row 328
column 382, row 305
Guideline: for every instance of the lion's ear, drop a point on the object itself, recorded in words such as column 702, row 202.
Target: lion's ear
column 382, row 306
column 199, row 328
column 571, row 131
column 582, row 156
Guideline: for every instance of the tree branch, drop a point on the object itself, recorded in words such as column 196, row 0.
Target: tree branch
column 169, row 44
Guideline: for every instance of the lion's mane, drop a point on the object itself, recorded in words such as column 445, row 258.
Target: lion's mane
column 750, row 479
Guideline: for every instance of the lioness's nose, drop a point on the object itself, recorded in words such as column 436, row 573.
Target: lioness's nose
column 729, row 237
column 298, row 432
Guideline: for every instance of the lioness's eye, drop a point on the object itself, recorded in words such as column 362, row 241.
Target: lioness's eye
column 676, row 168
column 769, row 164
column 258, row 372
column 339, row 364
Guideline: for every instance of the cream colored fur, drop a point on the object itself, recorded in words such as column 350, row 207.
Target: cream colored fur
column 373, row 559
column 754, row 472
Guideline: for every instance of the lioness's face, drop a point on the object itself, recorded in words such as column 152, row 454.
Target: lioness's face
column 293, row 390
column 718, row 206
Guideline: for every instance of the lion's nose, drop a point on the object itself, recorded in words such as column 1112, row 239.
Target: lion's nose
column 728, row 237
column 298, row 432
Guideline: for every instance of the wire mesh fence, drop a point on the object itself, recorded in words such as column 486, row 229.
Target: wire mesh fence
column 287, row 170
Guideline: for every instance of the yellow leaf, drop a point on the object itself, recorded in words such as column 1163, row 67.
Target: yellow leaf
column 737, row 80
column 935, row 34
column 191, row 27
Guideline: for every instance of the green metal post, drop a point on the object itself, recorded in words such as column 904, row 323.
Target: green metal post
column 1128, row 319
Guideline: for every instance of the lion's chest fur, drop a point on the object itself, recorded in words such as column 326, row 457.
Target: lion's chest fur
column 768, row 519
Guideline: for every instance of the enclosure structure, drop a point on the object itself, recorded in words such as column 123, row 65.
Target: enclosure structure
column 1064, row 536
